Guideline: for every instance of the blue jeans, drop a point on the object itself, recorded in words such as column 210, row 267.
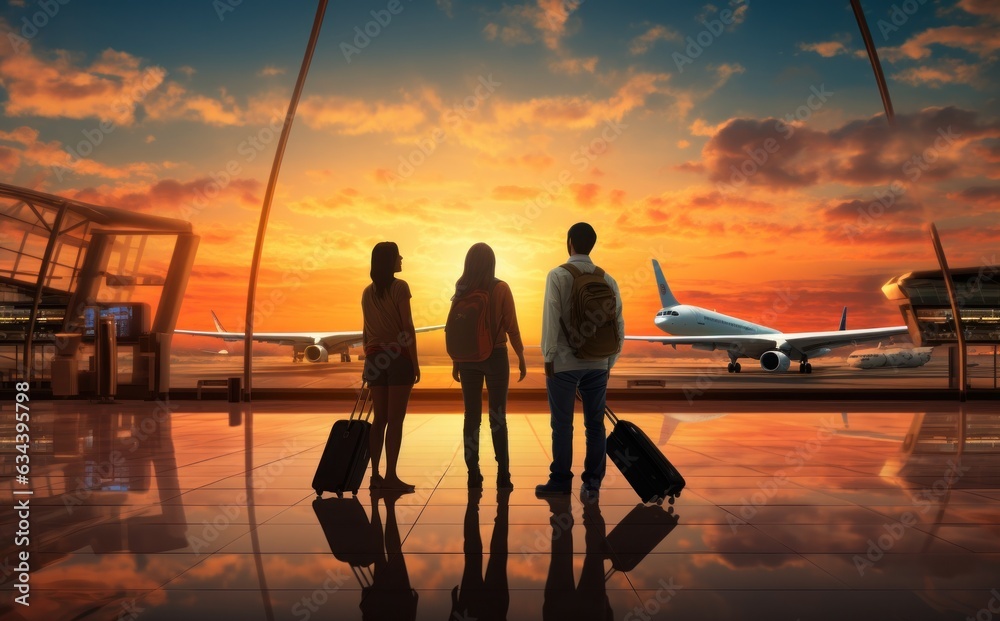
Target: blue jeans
column 593, row 387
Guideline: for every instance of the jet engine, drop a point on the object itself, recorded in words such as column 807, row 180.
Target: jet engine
column 774, row 361
column 316, row 353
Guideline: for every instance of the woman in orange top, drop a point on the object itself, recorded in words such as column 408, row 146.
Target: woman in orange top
column 391, row 367
column 479, row 274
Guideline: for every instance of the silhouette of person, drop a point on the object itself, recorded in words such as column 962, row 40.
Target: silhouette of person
column 391, row 368
column 389, row 597
column 489, row 599
column 566, row 373
column 479, row 275
column 587, row 600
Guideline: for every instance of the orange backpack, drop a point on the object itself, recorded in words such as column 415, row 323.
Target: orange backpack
column 467, row 333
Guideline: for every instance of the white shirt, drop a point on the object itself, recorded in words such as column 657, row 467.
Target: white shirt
column 556, row 306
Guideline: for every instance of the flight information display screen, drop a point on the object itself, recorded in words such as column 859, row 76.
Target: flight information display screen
column 131, row 320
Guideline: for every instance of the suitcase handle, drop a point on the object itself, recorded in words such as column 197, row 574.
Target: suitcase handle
column 364, row 402
column 607, row 411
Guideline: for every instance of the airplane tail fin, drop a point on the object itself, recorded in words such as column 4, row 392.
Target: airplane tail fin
column 843, row 320
column 666, row 297
column 218, row 324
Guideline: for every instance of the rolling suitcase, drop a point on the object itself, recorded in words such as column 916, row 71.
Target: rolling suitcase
column 346, row 456
column 644, row 466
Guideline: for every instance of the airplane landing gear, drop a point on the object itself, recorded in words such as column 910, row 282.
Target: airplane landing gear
column 734, row 367
column 345, row 357
column 805, row 367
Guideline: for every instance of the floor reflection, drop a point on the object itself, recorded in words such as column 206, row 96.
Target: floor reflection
column 483, row 597
column 204, row 515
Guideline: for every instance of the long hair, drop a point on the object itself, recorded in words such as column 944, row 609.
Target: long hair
column 384, row 256
column 480, row 269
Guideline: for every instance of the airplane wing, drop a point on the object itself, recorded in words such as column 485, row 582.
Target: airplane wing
column 755, row 344
column 329, row 340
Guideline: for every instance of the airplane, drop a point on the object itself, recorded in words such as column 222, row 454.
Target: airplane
column 882, row 356
column 311, row 346
column 710, row 331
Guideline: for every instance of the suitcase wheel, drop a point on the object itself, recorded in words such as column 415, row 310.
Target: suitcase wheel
column 319, row 493
column 659, row 500
column 671, row 501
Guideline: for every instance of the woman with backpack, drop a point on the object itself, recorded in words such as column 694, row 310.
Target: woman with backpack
column 391, row 367
column 481, row 321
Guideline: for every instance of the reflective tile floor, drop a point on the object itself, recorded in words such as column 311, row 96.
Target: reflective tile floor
column 149, row 512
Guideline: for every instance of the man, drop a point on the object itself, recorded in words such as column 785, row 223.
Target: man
column 570, row 365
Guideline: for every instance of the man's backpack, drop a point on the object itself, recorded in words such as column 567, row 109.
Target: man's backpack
column 592, row 332
column 468, row 336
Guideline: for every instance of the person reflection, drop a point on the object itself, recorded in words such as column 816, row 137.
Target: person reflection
column 588, row 599
column 389, row 597
column 489, row 599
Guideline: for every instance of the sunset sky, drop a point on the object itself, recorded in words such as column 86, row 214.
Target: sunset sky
column 455, row 122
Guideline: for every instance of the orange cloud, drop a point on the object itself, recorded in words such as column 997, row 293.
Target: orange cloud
column 645, row 42
column 943, row 72
column 585, row 194
column 929, row 145
column 826, row 49
column 61, row 162
column 10, row 160
column 580, row 112
column 170, row 196
column 547, row 20
column 109, row 89
column 574, row 66
column 354, row 117
column 980, row 40
column 177, row 103
column 514, row 193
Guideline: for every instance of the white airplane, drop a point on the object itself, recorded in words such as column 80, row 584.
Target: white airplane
column 882, row 356
column 710, row 331
column 311, row 346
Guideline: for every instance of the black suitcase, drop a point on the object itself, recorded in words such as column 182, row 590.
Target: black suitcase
column 644, row 466
column 346, row 456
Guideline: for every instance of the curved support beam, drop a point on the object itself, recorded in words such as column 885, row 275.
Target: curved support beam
column 269, row 196
column 866, row 35
column 955, row 313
